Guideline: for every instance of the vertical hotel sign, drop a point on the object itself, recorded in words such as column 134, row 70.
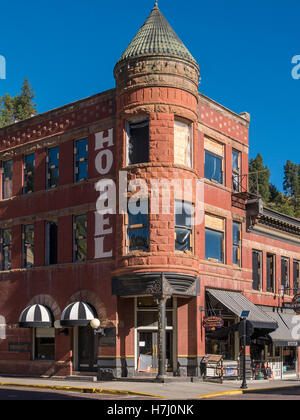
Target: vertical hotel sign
column 103, row 164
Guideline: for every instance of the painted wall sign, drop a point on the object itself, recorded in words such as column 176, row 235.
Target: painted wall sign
column 295, row 304
column 212, row 323
column 19, row 347
column 103, row 164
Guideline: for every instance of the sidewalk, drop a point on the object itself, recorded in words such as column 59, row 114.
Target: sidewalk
column 176, row 389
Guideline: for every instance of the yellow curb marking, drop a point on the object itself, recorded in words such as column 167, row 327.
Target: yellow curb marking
column 81, row 389
column 219, row 394
column 245, row 391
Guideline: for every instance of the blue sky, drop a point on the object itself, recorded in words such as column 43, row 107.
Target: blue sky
column 68, row 49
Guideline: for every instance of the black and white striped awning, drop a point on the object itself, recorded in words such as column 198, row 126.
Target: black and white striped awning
column 36, row 316
column 77, row 314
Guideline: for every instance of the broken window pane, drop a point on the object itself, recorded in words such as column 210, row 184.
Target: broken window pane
column 236, row 171
column 6, row 249
column 81, row 160
column 51, row 243
column 80, row 238
column 213, row 167
column 236, row 231
column 214, row 241
column 138, row 142
column 52, row 167
column 138, row 232
column 7, row 179
column 256, row 270
column 28, row 246
column 183, row 226
column 29, row 161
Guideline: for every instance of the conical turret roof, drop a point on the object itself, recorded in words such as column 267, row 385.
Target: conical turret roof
column 157, row 37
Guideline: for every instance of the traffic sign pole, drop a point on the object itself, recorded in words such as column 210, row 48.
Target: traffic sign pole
column 244, row 383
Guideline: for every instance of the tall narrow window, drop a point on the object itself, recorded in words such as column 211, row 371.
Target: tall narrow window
column 137, row 142
column 271, row 283
column 296, row 277
column 214, row 238
column 6, row 242
column 51, row 243
column 80, row 238
column 29, row 161
column 214, row 161
column 81, row 160
column 52, row 167
column 183, row 226
column 183, row 144
column 28, row 246
column 237, row 236
column 7, row 179
column 137, row 231
column 236, row 170
column 285, row 273
column 256, row 270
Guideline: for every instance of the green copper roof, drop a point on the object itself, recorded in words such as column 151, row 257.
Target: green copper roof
column 156, row 37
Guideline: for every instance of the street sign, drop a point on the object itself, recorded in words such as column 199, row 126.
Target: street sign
column 244, row 314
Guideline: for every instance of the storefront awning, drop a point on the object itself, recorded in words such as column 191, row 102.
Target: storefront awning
column 77, row 314
column 36, row 316
column 285, row 333
column 237, row 303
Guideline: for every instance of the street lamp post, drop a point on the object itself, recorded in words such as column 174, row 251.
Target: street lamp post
column 244, row 316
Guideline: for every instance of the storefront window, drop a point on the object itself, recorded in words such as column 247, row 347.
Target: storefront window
column 289, row 358
column 44, row 344
column 222, row 346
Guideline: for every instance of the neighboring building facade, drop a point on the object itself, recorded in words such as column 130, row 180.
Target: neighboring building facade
column 150, row 279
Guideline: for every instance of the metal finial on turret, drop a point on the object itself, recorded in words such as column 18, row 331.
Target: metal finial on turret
column 156, row 4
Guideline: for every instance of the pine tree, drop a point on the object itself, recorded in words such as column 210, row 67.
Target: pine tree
column 7, row 110
column 291, row 179
column 17, row 108
column 24, row 106
column 259, row 176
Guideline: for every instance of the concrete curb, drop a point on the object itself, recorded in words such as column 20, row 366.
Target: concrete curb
column 84, row 390
column 245, row 391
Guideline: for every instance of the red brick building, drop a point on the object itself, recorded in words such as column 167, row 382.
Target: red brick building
column 150, row 279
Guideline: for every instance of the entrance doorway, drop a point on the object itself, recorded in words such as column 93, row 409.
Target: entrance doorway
column 147, row 351
column 87, row 350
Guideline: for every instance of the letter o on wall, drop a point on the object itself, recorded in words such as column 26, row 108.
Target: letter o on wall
column 104, row 162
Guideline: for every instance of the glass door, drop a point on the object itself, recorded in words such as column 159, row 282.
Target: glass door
column 147, row 351
column 87, row 350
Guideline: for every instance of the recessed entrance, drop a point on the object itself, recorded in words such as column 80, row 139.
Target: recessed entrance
column 86, row 350
column 147, row 335
column 147, row 351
